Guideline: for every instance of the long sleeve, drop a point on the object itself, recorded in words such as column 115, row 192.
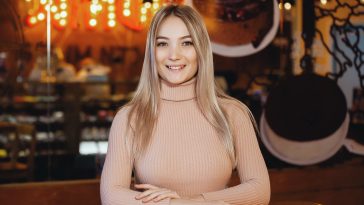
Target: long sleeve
column 117, row 170
column 255, row 186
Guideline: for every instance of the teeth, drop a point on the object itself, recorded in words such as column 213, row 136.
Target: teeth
column 175, row 67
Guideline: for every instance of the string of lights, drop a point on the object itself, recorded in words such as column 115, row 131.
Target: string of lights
column 107, row 14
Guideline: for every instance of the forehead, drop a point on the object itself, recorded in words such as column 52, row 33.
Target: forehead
column 172, row 27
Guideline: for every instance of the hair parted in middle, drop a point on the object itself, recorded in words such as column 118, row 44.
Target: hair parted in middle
column 144, row 106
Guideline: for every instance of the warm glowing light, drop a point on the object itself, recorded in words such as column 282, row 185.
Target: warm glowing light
column 93, row 9
column 57, row 16
column 41, row 16
column 111, row 8
column 63, row 6
column 287, row 6
column 33, row 20
column 143, row 10
column 111, row 15
column 63, row 14
column 111, row 23
column 280, row 6
column 147, row 5
column 47, row 7
column 155, row 5
column 99, row 7
column 323, row 2
column 63, row 11
column 92, row 22
column 62, row 22
column 126, row 12
column 54, row 9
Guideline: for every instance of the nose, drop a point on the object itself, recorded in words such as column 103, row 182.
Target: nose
column 174, row 53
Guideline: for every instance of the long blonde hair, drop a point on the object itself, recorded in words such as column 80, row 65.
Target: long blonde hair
column 145, row 103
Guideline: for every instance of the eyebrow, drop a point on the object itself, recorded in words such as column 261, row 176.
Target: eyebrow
column 183, row 37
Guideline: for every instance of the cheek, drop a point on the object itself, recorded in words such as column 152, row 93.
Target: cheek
column 192, row 56
column 160, row 55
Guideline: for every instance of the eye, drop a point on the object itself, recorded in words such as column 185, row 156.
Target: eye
column 187, row 43
column 161, row 44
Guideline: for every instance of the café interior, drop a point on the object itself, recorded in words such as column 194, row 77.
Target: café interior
column 66, row 68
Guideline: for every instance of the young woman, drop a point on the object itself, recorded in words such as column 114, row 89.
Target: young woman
column 180, row 134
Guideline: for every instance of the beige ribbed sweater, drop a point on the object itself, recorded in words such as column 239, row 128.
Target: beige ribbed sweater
column 186, row 155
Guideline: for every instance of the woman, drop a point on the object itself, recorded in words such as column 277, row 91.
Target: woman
column 181, row 135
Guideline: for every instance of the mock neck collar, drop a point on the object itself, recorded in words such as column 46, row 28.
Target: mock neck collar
column 181, row 92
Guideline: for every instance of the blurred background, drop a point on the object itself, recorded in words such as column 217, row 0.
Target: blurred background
column 66, row 67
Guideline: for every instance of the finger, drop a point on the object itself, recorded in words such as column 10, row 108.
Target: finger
column 145, row 186
column 155, row 195
column 170, row 194
column 146, row 193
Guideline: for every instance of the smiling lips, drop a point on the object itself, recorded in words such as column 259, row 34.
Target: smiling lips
column 175, row 67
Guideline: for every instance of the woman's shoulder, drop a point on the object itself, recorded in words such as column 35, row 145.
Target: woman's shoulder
column 232, row 106
column 123, row 111
column 123, row 114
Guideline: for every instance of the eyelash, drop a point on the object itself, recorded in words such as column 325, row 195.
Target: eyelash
column 160, row 44
column 186, row 43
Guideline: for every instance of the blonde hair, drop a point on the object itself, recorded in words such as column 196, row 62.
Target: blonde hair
column 145, row 103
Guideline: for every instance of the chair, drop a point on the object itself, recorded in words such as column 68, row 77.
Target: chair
column 18, row 147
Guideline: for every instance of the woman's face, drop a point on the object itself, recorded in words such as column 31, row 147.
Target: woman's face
column 175, row 53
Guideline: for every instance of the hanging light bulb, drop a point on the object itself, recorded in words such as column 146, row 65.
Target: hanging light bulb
column 33, row 20
column 63, row 5
column 54, row 8
column 63, row 22
column 148, row 5
column 41, row 16
column 126, row 12
column 111, row 15
column 287, row 6
column 57, row 16
column 111, row 23
column 63, row 14
column 111, row 8
column 92, row 22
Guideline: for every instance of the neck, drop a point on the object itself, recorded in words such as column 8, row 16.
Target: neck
column 180, row 92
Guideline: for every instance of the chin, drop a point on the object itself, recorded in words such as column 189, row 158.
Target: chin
column 176, row 81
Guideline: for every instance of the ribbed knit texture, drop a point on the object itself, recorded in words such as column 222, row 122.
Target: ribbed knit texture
column 186, row 155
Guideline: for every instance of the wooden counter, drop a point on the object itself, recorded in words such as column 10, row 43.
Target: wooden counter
column 340, row 184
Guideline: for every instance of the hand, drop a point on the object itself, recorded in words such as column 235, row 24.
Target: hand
column 154, row 193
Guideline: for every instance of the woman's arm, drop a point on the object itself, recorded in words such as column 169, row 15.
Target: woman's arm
column 117, row 170
column 255, row 186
